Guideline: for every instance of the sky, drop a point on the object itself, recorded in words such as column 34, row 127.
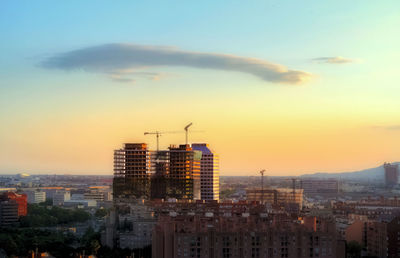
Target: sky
column 292, row 87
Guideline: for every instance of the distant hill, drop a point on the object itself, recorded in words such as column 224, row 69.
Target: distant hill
column 377, row 174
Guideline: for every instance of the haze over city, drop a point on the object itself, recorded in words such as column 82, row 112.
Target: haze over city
column 175, row 129
column 292, row 87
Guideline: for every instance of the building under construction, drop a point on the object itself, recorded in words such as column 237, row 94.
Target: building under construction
column 132, row 171
column 278, row 196
column 184, row 173
column 158, row 180
column 141, row 173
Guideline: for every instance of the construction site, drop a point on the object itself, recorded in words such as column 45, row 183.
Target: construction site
column 161, row 174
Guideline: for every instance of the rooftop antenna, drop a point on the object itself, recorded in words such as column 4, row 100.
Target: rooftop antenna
column 187, row 131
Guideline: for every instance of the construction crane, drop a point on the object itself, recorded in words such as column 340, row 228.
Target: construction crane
column 187, row 132
column 158, row 134
column 262, row 185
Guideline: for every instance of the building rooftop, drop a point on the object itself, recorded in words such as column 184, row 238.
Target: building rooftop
column 203, row 147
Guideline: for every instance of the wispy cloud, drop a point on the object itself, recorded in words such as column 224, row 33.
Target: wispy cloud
column 125, row 75
column 118, row 78
column 387, row 127
column 333, row 60
column 121, row 61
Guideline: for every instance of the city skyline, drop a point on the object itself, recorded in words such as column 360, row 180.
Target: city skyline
column 304, row 88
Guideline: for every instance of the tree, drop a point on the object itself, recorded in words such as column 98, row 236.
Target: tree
column 94, row 246
column 101, row 213
column 353, row 249
column 91, row 241
column 48, row 202
column 40, row 216
column 8, row 244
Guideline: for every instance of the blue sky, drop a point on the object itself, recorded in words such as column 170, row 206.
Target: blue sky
column 349, row 98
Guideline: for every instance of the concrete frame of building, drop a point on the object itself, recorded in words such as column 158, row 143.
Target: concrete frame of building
column 278, row 196
column 174, row 173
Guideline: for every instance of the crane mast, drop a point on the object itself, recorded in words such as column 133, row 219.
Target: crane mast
column 187, row 131
column 158, row 134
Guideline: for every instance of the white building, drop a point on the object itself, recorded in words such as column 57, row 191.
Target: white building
column 36, row 196
column 77, row 196
column 209, row 172
column 60, row 197
column 80, row 203
column 107, row 196
column 50, row 191
column 94, row 195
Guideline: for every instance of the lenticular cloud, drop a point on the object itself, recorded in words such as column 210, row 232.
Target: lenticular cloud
column 124, row 59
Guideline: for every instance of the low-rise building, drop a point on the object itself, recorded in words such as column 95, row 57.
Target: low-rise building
column 8, row 213
column 244, row 235
column 51, row 190
column 60, row 197
column 20, row 199
column 12, row 206
column 36, row 196
column 320, row 186
column 94, row 195
column 130, row 227
column 80, row 203
column 277, row 196
column 381, row 238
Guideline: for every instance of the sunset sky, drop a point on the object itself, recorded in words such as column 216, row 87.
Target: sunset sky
column 292, row 87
